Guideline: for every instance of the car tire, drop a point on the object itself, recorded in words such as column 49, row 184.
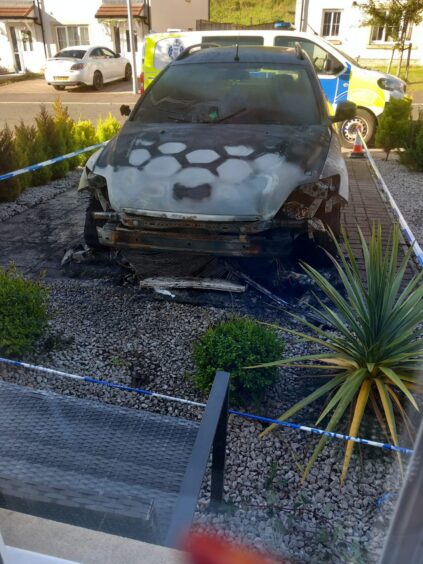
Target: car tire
column 128, row 73
column 98, row 81
column 58, row 87
column 347, row 128
column 90, row 226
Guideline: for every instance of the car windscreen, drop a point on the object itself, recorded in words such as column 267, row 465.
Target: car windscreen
column 247, row 93
column 70, row 54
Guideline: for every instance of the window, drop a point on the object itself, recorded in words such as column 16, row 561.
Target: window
column 228, row 40
column 324, row 62
column 71, row 35
column 107, row 53
column 26, row 37
column 128, row 43
column 331, row 21
column 238, row 93
column 70, row 54
column 384, row 34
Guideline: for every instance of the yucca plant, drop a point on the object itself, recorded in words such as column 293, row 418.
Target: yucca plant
column 374, row 353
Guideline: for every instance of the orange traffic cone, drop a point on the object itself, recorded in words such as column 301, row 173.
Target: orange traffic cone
column 358, row 151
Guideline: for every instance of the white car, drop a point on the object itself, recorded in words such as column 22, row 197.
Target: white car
column 83, row 64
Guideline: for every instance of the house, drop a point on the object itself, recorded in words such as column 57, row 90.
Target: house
column 341, row 23
column 32, row 31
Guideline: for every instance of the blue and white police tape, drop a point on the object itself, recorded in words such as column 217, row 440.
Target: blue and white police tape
column 405, row 228
column 37, row 166
column 286, row 424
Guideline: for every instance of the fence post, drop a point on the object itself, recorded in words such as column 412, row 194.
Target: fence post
column 219, row 453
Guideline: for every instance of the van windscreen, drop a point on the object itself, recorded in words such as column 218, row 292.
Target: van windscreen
column 228, row 40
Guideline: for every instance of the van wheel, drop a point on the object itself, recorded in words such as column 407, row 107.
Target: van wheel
column 347, row 129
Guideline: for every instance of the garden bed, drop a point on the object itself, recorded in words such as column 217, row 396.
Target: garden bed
column 117, row 333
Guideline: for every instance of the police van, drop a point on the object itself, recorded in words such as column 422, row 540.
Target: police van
column 341, row 76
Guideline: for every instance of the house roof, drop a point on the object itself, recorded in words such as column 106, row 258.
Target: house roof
column 13, row 12
column 119, row 11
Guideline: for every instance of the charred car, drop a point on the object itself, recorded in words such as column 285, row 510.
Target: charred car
column 231, row 151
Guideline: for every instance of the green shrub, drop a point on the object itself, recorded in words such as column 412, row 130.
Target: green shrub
column 412, row 156
column 83, row 132
column 52, row 141
column 23, row 312
column 372, row 350
column 107, row 128
column 29, row 152
column 393, row 125
column 64, row 125
column 9, row 189
column 231, row 346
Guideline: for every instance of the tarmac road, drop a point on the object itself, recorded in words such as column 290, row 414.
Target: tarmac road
column 21, row 100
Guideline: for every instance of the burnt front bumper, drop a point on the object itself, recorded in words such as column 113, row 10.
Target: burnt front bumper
column 238, row 239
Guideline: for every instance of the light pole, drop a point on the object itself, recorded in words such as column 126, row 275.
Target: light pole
column 131, row 43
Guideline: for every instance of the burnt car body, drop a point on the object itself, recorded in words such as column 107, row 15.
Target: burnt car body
column 230, row 152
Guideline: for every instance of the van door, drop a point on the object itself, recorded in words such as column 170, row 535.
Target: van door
column 334, row 76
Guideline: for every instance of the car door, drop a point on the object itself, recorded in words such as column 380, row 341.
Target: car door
column 113, row 64
column 334, row 76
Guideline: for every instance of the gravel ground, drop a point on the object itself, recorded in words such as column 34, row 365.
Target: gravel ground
column 38, row 194
column 407, row 189
column 116, row 333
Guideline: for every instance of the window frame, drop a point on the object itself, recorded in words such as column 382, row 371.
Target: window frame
column 332, row 24
column 66, row 31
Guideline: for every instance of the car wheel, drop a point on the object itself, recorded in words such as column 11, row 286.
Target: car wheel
column 348, row 128
column 58, row 87
column 128, row 73
column 90, row 227
column 98, row 80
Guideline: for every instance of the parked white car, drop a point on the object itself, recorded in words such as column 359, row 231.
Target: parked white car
column 83, row 64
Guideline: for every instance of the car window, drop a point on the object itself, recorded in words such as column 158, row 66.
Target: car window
column 231, row 93
column 107, row 53
column 70, row 54
column 96, row 53
column 227, row 40
column 323, row 62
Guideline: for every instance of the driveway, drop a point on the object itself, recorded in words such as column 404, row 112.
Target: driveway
column 21, row 100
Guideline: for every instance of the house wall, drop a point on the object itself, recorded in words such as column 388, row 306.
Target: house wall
column 177, row 14
column 353, row 38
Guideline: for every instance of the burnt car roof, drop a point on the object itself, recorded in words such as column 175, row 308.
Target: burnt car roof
column 246, row 53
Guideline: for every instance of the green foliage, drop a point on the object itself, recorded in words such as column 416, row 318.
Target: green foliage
column 64, row 126
column 106, row 128
column 230, row 346
column 83, row 132
column 29, row 151
column 394, row 125
column 412, row 156
column 53, row 144
column 247, row 12
column 23, row 312
column 396, row 15
column 374, row 347
column 9, row 189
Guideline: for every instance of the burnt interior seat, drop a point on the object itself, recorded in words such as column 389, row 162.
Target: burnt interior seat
column 112, row 469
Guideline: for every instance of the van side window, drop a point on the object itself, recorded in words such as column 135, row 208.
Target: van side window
column 228, row 40
column 324, row 62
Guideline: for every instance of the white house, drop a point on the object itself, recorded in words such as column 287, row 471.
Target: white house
column 341, row 23
column 31, row 31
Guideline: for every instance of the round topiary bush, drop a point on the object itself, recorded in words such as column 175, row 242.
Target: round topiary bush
column 23, row 312
column 231, row 346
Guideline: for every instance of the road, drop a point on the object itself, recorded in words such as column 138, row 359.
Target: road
column 21, row 100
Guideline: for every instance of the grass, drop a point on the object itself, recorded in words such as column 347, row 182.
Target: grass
column 250, row 12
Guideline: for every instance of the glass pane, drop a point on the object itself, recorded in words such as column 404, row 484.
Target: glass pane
column 61, row 37
column 219, row 93
column 327, row 17
column 73, row 36
column 83, row 33
column 234, row 40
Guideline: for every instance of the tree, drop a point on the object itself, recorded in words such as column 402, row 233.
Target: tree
column 397, row 16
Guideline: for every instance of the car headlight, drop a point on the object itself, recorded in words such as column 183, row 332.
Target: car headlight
column 306, row 200
column 391, row 83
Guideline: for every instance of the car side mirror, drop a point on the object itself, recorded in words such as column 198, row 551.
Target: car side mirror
column 344, row 110
column 125, row 110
